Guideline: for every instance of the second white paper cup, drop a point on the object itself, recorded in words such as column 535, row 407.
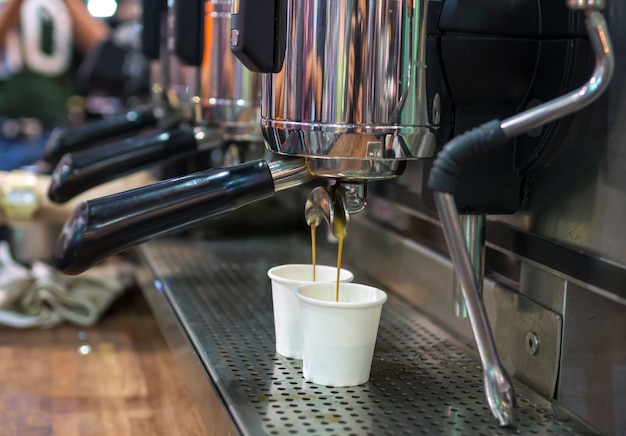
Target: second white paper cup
column 338, row 337
column 285, row 280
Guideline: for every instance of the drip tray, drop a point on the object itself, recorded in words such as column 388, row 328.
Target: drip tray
column 422, row 380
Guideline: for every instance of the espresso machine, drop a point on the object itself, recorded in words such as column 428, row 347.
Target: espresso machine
column 217, row 101
column 485, row 144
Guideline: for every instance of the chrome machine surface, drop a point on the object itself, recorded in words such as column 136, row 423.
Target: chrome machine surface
column 216, row 89
column 351, row 95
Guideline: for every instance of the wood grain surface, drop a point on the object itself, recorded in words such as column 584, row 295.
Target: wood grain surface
column 116, row 378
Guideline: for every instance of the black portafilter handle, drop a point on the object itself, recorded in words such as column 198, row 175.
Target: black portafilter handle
column 105, row 226
column 81, row 170
column 69, row 139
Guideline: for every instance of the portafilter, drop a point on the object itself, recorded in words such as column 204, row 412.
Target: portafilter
column 344, row 97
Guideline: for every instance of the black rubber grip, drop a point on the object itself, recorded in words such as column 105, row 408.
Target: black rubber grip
column 451, row 159
column 79, row 171
column 68, row 139
column 105, row 226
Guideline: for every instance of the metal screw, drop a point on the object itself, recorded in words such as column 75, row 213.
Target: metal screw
column 532, row 343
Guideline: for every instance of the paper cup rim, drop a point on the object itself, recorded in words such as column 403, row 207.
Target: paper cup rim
column 271, row 273
column 342, row 304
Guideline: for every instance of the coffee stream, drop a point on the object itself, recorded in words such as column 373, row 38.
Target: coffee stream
column 313, row 249
column 340, row 232
column 339, row 227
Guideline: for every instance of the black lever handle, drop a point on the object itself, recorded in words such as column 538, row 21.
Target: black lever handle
column 152, row 14
column 79, row 171
column 69, row 139
column 189, row 31
column 104, row 226
column 258, row 35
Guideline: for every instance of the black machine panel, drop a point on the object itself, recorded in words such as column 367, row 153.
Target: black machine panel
column 500, row 58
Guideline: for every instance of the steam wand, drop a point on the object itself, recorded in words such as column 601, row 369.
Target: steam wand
column 474, row 233
column 498, row 387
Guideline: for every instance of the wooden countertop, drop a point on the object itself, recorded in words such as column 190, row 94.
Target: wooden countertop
column 116, row 378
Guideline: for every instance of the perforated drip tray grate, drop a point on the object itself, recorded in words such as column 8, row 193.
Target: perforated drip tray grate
column 422, row 381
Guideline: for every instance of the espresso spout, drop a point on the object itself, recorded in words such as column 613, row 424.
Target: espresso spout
column 334, row 205
column 326, row 204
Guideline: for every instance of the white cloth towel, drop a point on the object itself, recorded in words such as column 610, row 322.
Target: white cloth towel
column 42, row 297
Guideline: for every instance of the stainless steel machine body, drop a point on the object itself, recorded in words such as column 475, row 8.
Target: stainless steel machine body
column 553, row 293
column 231, row 94
column 351, row 95
column 219, row 91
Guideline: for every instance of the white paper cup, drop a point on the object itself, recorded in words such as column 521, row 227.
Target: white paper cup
column 338, row 338
column 285, row 280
